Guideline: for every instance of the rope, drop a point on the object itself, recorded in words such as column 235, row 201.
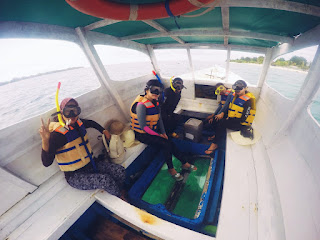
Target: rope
column 133, row 12
column 196, row 3
column 166, row 5
column 201, row 5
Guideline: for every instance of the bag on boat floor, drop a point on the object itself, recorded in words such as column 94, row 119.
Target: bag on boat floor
column 121, row 137
column 115, row 148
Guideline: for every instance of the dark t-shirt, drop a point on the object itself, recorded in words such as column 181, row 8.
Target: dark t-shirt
column 171, row 101
column 58, row 140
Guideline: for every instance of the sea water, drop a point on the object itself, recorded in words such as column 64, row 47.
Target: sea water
column 34, row 95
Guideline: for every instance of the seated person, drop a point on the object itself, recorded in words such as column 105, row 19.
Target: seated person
column 172, row 97
column 67, row 141
column 145, row 119
column 226, row 98
column 240, row 113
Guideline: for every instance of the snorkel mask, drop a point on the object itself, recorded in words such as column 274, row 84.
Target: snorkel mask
column 176, row 84
column 155, row 90
column 70, row 111
column 219, row 89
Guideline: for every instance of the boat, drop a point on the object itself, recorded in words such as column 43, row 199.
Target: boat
column 268, row 190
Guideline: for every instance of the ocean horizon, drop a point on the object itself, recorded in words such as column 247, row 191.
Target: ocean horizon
column 28, row 96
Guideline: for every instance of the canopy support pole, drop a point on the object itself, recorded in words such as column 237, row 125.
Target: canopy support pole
column 228, row 64
column 153, row 59
column 265, row 68
column 192, row 70
column 100, row 71
column 306, row 94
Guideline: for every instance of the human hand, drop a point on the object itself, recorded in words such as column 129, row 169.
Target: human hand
column 210, row 120
column 44, row 131
column 209, row 117
column 164, row 136
column 107, row 134
column 219, row 116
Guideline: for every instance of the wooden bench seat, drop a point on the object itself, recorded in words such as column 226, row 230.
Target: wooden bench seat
column 250, row 207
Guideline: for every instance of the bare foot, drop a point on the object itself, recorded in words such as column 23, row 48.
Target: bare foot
column 189, row 167
column 212, row 147
column 172, row 171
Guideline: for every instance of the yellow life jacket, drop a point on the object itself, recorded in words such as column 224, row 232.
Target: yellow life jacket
column 152, row 114
column 236, row 108
column 73, row 155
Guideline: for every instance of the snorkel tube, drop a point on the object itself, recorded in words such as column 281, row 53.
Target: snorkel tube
column 58, row 107
column 154, row 73
column 171, row 84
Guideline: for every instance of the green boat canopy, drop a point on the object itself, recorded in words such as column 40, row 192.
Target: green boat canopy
column 251, row 23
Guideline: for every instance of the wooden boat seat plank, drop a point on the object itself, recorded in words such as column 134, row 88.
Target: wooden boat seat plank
column 57, row 215
column 238, row 219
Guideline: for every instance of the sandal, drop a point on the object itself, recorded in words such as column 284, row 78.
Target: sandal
column 191, row 168
column 211, row 138
column 210, row 151
column 175, row 135
column 178, row 177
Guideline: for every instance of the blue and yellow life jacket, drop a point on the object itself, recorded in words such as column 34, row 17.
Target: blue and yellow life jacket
column 152, row 114
column 225, row 96
column 73, row 155
column 236, row 108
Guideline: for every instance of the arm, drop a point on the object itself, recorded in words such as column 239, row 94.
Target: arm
column 226, row 105
column 56, row 141
column 92, row 124
column 161, row 126
column 141, row 113
column 95, row 125
column 246, row 111
column 218, row 110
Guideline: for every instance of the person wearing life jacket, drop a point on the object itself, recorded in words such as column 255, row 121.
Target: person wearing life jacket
column 226, row 97
column 70, row 146
column 240, row 113
column 172, row 97
column 147, row 124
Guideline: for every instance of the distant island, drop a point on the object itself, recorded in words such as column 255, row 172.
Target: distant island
column 295, row 62
column 18, row 79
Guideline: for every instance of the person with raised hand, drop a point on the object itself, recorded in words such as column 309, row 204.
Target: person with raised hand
column 67, row 142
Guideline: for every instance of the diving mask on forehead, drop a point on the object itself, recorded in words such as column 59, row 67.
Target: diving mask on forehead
column 155, row 90
column 71, row 111
column 220, row 89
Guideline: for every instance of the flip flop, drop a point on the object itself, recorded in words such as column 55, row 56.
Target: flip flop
column 178, row 177
column 210, row 151
column 191, row 168
column 211, row 138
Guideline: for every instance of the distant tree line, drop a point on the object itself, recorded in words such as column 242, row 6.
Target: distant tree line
column 295, row 61
column 18, row 79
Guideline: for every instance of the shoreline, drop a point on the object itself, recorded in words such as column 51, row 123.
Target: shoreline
column 295, row 69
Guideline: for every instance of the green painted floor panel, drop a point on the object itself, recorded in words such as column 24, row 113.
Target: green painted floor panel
column 162, row 185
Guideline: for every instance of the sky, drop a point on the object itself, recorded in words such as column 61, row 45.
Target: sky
column 25, row 57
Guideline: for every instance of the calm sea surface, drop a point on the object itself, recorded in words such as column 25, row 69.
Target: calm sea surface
column 32, row 96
